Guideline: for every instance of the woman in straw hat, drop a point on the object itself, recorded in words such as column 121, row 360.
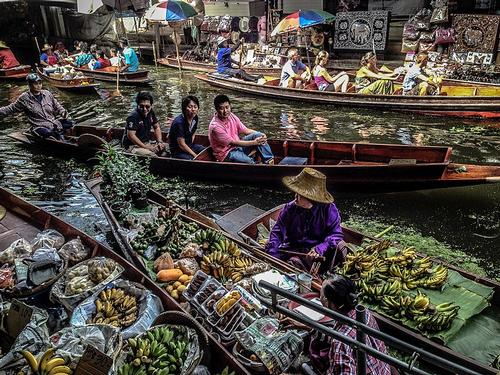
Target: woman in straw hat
column 7, row 58
column 310, row 224
column 47, row 58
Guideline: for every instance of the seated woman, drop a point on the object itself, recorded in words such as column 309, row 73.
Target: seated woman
column 183, row 130
column 60, row 51
column 83, row 57
column 323, row 80
column 310, row 224
column 331, row 356
column 371, row 80
column 415, row 81
column 47, row 58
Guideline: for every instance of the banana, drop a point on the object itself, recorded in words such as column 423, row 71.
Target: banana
column 45, row 358
column 54, row 362
column 30, row 358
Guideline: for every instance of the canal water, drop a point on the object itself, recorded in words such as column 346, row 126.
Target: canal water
column 458, row 219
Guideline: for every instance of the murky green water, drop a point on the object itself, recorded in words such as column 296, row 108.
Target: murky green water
column 463, row 218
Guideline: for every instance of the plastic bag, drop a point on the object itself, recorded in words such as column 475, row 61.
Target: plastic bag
column 100, row 269
column 73, row 251
column 18, row 249
column 149, row 308
column 45, row 254
column 72, row 341
column 191, row 250
column 66, row 296
column 48, row 238
column 7, row 277
column 188, row 265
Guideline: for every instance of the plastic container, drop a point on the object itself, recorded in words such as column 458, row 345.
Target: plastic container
column 235, row 321
column 208, row 306
column 213, row 320
column 195, row 284
column 232, row 294
column 209, row 287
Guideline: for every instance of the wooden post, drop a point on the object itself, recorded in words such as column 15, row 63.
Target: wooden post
column 157, row 39
column 241, row 53
column 154, row 54
column 177, row 50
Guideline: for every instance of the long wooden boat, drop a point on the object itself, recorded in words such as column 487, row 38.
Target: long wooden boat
column 347, row 165
column 208, row 67
column 18, row 72
column 25, row 219
column 138, row 78
column 249, row 234
column 448, row 104
column 77, row 85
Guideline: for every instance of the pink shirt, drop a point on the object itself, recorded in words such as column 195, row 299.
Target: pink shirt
column 222, row 132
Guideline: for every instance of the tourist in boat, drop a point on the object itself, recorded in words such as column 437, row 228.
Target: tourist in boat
column 325, row 81
column 115, row 60
column 48, row 58
column 371, row 80
column 294, row 73
column 183, row 130
column 102, row 61
column 46, row 115
column 224, row 135
column 224, row 61
column 137, row 134
column 60, row 51
column 331, row 356
column 7, row 58
column 310, row 224
column 415, row 81
column 83, row 57
column 129, row 57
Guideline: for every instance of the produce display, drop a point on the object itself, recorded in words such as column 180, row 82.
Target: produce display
column 49, row 364
column 161, row 351
column 115, row 307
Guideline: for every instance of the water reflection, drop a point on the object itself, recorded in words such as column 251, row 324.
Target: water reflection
column 466, row 218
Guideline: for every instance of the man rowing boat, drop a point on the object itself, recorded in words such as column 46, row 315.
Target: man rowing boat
column 308, row 225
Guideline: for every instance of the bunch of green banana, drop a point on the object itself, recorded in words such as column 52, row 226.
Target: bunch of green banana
column 377, row 247
column 49, row 364
column 225, row 245
column 206, row 238
column 441, row 318
column 157, row 352
column 378, row 291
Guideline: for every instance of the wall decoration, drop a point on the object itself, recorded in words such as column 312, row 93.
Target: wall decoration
column 475, row 33
column 479, row 58
column 361, row 30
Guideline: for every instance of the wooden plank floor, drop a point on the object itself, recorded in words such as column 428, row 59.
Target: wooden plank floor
column 12, row 228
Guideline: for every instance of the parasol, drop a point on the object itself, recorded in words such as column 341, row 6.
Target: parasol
column 302, row 19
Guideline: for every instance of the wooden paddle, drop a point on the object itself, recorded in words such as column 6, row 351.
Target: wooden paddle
column 296, row 253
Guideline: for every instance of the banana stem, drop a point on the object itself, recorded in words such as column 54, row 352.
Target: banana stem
column 385, row 231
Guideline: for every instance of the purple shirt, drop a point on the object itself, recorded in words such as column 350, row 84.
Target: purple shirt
column 301, row 229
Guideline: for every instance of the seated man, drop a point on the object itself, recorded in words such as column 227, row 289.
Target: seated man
column 183, row 130
column 7, row 58
column 310, row 224
column 224, row 135
column 292, row 72
column 46, row 116
column 224, row 61
column 137, row 135
column 415, row 81
column 129, row 57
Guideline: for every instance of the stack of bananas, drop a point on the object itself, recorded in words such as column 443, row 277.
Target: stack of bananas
column 115, row 307
column 206, row 238
column 217, row 264
column 157, row 352
column 442, row 317
column 48, row 364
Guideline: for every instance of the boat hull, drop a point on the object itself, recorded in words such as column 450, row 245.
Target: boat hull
column 19, row 72
column 139, row 78
column 76, row 85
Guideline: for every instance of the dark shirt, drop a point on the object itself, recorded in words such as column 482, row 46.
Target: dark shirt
column 223, row 59
column 141, row 125
column 180, row 129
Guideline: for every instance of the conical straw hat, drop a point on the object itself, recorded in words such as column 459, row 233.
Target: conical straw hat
column 311, row 184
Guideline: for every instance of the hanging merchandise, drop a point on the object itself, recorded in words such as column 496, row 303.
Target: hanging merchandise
column 427, row 36
column 244, row 24
column 410, row 31
column 422, row 19
column 445, row 35
column 409, row 46
column 440, row 15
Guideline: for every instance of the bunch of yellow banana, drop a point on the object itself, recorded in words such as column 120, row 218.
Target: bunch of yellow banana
column 240, row 266
column 49, row 364
column 225, row 245
column 217, row 264
column 441, row 318
column 404, row 257
column 438, row 277
column 359, row 261
column 115, row 307
column 377, row 247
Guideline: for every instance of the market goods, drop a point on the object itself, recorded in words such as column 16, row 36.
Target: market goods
column 169, row 275
column 206, row 237
column 7, row 277
column 100, row 269
column 217, row 264
column 191, row 250
column 188, row 265
column 176, row 288
column 73, row 251
column 20, row 248
column 195, row 284
column 48, row 364
column 159, row 351
column 164, row 262
column 225, row 303
column 116, row 307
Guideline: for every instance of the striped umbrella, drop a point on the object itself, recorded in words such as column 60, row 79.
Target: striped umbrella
column 302, row 19
column 170, row 10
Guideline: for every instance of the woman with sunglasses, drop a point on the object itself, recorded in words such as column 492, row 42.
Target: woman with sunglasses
column 137, row 135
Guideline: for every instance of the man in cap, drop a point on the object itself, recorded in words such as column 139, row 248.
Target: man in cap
column 129, row 57
column 224, row 61
column 7, row 58
column 46, row 115
column 310, row 224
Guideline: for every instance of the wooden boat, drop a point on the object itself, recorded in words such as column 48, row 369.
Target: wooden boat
column 249, row 234
column 453, row 101
column 77, row 85
column 138, row 78
column 18, row 72
column 23, row 217
column 347, row 165
column 207, row 67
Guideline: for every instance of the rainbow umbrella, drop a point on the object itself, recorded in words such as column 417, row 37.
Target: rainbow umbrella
column 170, row 10
column 302, row 19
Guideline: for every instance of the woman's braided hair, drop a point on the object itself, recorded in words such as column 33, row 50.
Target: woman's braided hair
column 341, row 291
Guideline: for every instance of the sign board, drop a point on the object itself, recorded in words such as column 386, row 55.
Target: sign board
column 93, row 362
column 18, row 318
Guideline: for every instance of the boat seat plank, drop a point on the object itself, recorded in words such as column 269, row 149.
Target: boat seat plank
column 233, row 221
column 206, row 154
column 293, row 160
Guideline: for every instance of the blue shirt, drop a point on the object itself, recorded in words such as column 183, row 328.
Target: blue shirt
column 131, row 59
column 223, row 59
column 181, row 129
column 83, row 59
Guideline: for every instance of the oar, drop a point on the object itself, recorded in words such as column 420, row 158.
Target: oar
column 296, row 253
column 241, row 53
column 118, row 68
column 385, row 231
